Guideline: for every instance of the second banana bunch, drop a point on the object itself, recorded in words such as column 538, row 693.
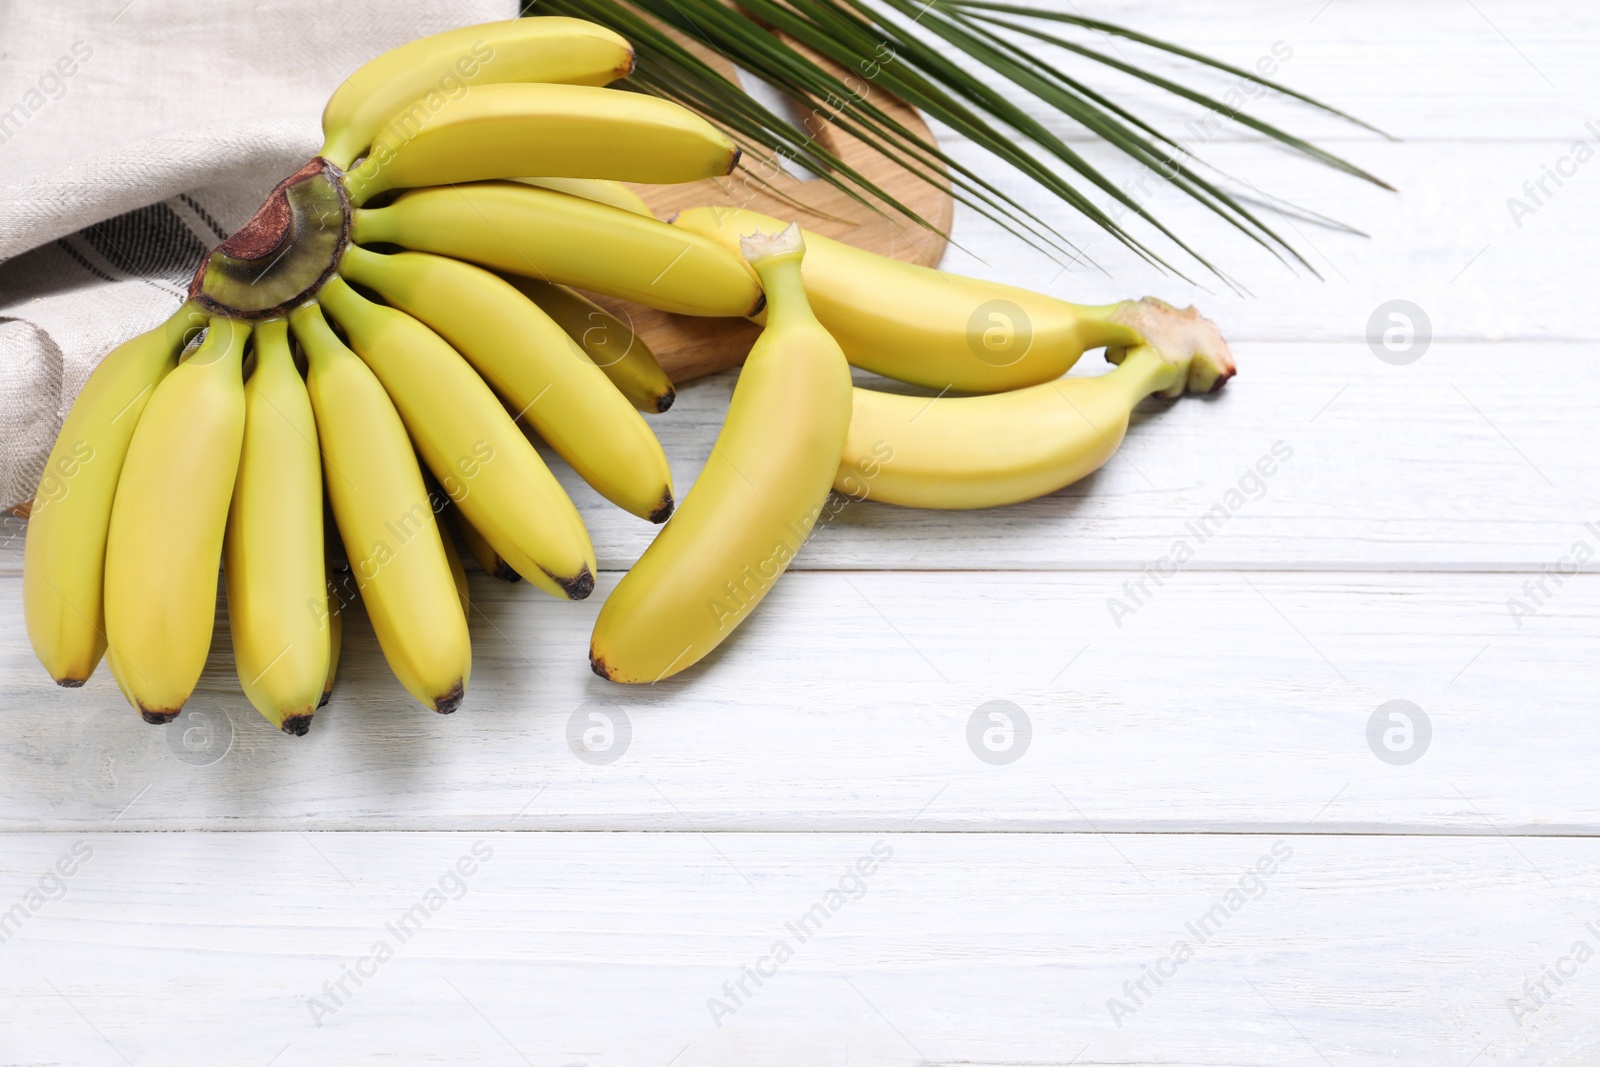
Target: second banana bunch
column 351, row 393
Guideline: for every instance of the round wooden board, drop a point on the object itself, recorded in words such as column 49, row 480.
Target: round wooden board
column 689, row 347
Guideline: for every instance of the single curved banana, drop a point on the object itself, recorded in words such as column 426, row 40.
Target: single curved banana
column 485, row 464
column 530, row 361
column 458, row 573
column 273, row 556
column 164, row 541
column 385, row 519
column 406, row 86
column 492, row 562
column 986, row 451
column 556, row 131
column 554, row 237
column 927, row 326
column 600, row 190
column 63, row 569
column 755, row 501
column 605, row 339
column 335, row 641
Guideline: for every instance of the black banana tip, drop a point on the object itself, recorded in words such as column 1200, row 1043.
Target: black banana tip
column 663, row 402
column 157, row 718
column 598, row 665
column 663, row 510
column 577, row 587
column 448, row 703
column 503, row 571
column 298, row 725
column 71, row 683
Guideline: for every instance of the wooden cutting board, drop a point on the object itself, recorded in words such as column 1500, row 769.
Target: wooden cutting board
column 689, row 347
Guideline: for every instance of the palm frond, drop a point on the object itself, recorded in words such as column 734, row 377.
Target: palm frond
column 927, row 56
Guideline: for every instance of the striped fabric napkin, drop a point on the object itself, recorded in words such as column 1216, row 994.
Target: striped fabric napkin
column 134, row 135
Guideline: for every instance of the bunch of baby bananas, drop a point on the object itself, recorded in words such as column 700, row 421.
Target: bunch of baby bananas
column 411, row 294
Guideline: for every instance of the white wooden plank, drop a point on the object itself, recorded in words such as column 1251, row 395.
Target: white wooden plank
column 991, row 949
column 1224, row 702
column 1428, row 70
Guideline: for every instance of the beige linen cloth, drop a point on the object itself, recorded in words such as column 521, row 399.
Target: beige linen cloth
column 134, row 136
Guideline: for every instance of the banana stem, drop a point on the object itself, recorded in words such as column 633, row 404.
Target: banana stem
column 1103, row 326
column 1144, row 371
column 776, row 259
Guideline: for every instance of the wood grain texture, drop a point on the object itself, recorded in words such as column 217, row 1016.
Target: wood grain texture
column 689, row 347
column 1218, row 702
column 955, row 949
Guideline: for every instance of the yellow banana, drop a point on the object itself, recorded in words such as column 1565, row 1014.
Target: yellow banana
column 63, row 569
column 482, row 551
column 407, row 85
column 754, row 503
column 458, row 573
column 600, row 190
column 547, row 379
column 930, row 327
column 385, row 520
column 485, row 464
column 335, row 640
column 605, row 339
column 557, row 131
column 273, row 556
column 542, row 234
column 164, row 541
column 985, row 451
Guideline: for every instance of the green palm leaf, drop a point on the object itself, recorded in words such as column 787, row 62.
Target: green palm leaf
column 926, row 55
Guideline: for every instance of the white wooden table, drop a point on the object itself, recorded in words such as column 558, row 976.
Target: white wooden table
column 1200, row 773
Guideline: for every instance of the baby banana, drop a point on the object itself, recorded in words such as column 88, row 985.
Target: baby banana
column 755, row 501
column 485, row 464
column 407, row 85
column 164, row 541
column 385, row 519
column 534, row 365
column 928, row 326
column 985, row 451
column 63, row 569
column 335, row 639
column 554, row 237
column 557, row 131
column 482, row 551
column 458, row 573
column 600, row 190
column 607, row 340
column 273, row 556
